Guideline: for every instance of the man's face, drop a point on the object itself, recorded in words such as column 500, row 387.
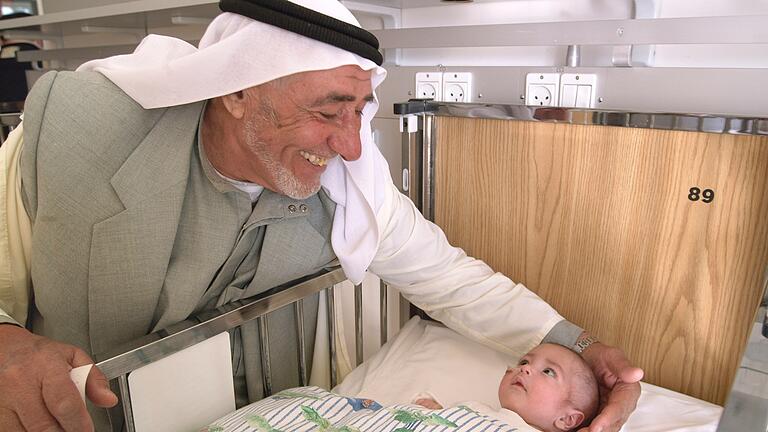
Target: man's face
column 540, row 385
column 295, row 125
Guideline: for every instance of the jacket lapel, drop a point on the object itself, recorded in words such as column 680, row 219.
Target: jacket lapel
column 131, row 250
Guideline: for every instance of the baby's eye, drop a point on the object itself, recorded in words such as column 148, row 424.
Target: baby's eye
column 550, row 372
column 523, row 362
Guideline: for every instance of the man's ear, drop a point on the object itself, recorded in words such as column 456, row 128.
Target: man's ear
column 234, row 103
column 569, row 420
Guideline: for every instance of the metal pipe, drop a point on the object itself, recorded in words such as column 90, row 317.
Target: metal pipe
column 428, row 167
column 125, row 394
column 358, row 324
column 298, row 309
column 412, row 162
column 266, row 365
column 573, row 56
column 383, row 312
column 332, row 335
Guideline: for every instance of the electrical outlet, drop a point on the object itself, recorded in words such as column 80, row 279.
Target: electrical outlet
column 429, row 85
column 542, row 89
column 541, row 95
column 457, row 87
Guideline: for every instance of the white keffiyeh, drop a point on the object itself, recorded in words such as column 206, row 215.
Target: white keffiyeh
column 236, row 53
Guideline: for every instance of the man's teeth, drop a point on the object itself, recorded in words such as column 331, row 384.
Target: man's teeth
column 314, row 159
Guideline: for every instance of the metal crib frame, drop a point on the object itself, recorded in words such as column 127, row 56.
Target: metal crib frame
column 165, row 342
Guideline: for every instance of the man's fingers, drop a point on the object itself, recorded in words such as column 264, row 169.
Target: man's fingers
column 607, row 421
column 631, row 374
column 622, row 400
column 97, row 389
column 613, row 366
column 64, row 403
column 9, row 421
column 623, row 369
column 78, row 357
column 96, row 385
column 34, row 416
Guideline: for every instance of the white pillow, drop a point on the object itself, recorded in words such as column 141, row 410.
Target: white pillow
column 428, row 357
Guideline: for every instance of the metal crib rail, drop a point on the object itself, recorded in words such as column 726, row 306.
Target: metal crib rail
column 163, row 343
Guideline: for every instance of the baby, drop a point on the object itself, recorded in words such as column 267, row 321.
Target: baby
column 552, row 389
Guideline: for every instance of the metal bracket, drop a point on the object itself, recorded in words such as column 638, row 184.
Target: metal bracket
column 637, row 55
column 409, row 123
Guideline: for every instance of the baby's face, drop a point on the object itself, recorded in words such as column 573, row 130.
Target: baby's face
column 539, row 386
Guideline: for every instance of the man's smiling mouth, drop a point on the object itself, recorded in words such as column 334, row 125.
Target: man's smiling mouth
column 314, row 159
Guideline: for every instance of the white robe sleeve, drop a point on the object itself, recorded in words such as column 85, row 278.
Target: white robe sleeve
column 462, row 292
column 15, row 235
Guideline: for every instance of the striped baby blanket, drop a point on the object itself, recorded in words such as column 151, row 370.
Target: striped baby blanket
column 314, row 409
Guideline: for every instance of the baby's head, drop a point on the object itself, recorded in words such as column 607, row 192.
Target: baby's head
column 552, row 388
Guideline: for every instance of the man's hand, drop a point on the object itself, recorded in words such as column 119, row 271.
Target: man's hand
column 619, row 386
column 36, row 393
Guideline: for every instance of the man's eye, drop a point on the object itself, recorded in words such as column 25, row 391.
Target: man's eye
column 329, row 116
column 551, row 372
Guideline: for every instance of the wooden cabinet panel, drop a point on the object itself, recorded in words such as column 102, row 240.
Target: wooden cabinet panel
column 598, row 221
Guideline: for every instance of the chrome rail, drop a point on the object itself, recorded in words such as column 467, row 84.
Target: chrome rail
column 358, row 324
column 163, row 343
column 383, row 312
column 298, row 310
column 266, row 362
column 710, row 123
column 330, row 304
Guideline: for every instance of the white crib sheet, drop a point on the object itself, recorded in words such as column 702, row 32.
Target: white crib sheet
column 427, row 357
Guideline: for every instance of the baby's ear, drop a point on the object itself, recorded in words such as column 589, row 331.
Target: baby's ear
column 569, row 420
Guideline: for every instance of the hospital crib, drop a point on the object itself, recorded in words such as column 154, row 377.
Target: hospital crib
column 156, row 346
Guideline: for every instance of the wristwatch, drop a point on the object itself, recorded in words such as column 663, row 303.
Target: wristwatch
column 583, row 344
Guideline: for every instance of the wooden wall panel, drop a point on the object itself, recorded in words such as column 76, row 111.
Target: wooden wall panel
column 598, row 222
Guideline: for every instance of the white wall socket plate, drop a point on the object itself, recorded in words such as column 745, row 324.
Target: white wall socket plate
column 542, row 89
column 429, row 85
column 578, row 90
column 457, row 87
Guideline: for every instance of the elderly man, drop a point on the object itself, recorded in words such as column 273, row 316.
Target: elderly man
column 159, row 184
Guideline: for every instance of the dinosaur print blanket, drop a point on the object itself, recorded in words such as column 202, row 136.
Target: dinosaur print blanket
column 314, row 409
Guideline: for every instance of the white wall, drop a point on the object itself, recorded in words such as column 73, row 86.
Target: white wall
column 508, row 12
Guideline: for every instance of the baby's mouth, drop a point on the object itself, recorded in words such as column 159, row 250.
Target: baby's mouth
column 519, row 383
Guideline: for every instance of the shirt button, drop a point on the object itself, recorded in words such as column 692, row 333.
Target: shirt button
column 303, row 208
column 292, row 208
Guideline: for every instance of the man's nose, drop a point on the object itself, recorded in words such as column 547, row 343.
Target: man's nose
column 346, row 140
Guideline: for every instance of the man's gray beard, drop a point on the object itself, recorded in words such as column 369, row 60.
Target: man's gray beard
column 285, row 181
